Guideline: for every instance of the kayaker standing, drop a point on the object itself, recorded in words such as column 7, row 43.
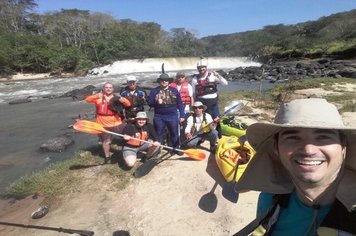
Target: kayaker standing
column 205, row 89
column 185, row 90
column 140, row 129
column 200, row 123
column 167, row 104
column 136, row 96
column 305, row 166
column 109, row 118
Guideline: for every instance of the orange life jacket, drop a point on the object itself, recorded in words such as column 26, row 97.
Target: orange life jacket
column 102, row 108
column 140, row 134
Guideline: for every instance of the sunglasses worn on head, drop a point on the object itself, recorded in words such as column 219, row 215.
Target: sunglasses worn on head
column 199, row 107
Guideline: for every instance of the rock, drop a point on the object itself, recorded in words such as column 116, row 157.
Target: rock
column 58, row 144
column 19, row 101
column 80, row 94
column 306, row 69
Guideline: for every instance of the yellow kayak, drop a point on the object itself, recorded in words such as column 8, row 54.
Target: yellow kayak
column 228, row 152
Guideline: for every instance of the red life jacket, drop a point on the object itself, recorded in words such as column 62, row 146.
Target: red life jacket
column 103, row 109
column 184, row 92
column 205, row 87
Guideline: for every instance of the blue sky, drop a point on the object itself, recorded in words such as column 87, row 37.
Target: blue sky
column 208, row 17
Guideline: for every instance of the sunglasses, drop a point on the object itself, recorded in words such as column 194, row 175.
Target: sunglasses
column 199, row 107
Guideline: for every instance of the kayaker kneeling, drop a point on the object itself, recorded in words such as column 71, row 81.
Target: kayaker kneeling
column 200, row 127
column 142, row 131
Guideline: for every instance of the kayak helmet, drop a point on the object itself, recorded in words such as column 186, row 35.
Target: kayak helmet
column 202, row 62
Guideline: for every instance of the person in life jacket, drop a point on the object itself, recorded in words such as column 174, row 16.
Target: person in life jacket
column 109, row 118
column 134, row 135
column 185, row 90
column 201, row 126
column 136, row 96
column 305, row 167
column 205, row 89
column 167, row 105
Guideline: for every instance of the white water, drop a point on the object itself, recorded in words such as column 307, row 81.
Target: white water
column 146, row 70
column 171, row 64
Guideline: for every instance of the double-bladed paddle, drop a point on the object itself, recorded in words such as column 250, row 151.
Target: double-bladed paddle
column 228, row 190
column 64, row 230
column 91, row 127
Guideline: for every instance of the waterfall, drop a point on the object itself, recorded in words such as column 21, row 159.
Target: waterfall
column 170, row 64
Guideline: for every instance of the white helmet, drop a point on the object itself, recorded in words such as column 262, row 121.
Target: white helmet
column 131, row 78
column 202, row 62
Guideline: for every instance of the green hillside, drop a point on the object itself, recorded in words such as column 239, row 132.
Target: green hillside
column 72, row 40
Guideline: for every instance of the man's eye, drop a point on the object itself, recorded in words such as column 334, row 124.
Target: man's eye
column 325, row 137
column 291, row 137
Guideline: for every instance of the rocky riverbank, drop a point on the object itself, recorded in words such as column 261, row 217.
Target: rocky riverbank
column 300, row 69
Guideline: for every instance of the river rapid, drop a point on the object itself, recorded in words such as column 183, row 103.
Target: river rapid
column 24, row 127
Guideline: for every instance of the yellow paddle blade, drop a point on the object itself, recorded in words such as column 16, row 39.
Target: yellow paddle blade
column 195, row 154
column 89, row 127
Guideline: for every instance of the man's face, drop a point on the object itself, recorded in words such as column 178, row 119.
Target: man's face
column 180, row 79
column 198, row 110
column 164, row 83
column 108, row 89
column 313, row 157
column 132, row 85
column 141, row 122
column 202, row 70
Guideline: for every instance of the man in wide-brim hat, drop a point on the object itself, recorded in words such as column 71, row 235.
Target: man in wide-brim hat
column 305, row 166
column 167, row 105
column 200, row 127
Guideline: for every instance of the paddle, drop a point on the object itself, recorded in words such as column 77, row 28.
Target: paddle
column 64, row 230
column 208, row 202
column 146, row 167
column 234, row 108
column 228, row 190
column 96, row 128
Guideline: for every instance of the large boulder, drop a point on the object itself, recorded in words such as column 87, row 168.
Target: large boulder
column 80, row 94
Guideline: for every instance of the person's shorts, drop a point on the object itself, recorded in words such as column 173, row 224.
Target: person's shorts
column 107, row 138
column 132, row 151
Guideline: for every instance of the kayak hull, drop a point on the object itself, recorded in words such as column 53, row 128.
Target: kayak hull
column 227, row 154
column 229, row 130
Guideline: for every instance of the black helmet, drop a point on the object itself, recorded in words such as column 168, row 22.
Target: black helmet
column 163, row 77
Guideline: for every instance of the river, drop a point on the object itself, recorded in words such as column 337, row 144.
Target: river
column 24, row 127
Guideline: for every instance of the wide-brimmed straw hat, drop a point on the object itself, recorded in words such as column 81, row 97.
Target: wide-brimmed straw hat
column 266, row 173
column 199, row 104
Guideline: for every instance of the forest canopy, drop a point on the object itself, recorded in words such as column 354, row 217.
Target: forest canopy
column 71, row 40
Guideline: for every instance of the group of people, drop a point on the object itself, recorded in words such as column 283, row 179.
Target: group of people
column 187, row 110
column 305, row 161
